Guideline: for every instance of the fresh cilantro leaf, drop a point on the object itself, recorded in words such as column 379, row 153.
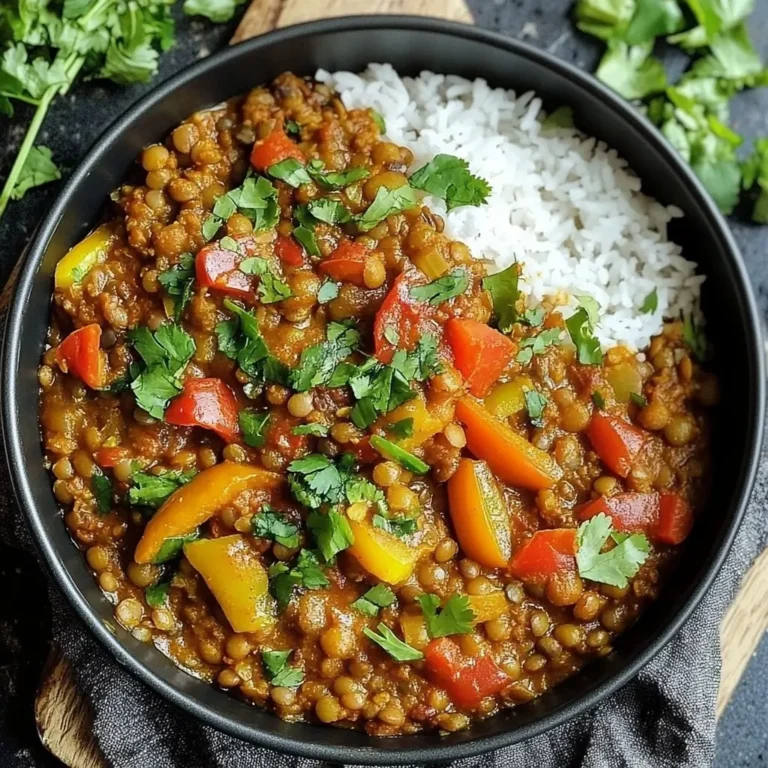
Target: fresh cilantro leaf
column 392, row 644
column 632, row 71
column 156, row 595
column 272, row 289
column 178, row 282
column 329, row 290
column 534, row 317
column 101, row 487
column 292, row 128
column 38, row 169
column 722, row 179
column 316, row 429
column 357, row 489
column 535, row 403
column 755, row 179
column 455, row 618
column 256, row 199
column 172, row 548
column 306, row 236
column 254, row 425
column 402, row 429
column 397, row 526
column 154, row 388
column 278, row 673
column 318, row 363
column 392, row 336
column 444, row 288
column 449, row 178
column 291, row 171
column 639, row 400
column 217, row 11
column 562, row 117
column 316, row 480
column 581, row 331
column 332, row 533
column 652, row 19
column 329, row 211
column 504, row 292
column 338, row 179
column 694, row 337
column 617, row 565
column 733, row 56
column 538, row 344
column 148, row 490
column 598, row 400
column 380, row 596
column 211, row 225
column 592, row 307
column 650, row 303
column 604, row 18
column 307, row 573
column 271, row 524
column 379, row 120
column 387, row 203
column 390, row 450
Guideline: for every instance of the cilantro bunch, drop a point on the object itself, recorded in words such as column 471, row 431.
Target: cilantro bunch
column 46, row 44
column 693, row 112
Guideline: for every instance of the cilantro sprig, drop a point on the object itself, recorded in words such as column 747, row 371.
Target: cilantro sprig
column 306, row 572
column 444, row 288
column 376, row 598
column 275, row 526
column 150, row 490
column 455, row 617
column 449, row 178
column 278, row 672
column 385, row 638
column 503, row 287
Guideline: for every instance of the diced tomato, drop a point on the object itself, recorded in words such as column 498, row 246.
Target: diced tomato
column 206, row 403
column 108, row 457
column 675, row 519
column 280, row 436
column 80, row 354
column 274, row 149
column 617, row 442
column 289, row 251
column 665, row 517
column 402, row 317
column 467, row 681
column 546, row 553
column 480, row 353
column 346, row 263
column 218, row 268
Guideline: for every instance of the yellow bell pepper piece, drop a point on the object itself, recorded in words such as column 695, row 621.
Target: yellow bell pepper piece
column 415, row 630
column 237, row 579
column 197, row 501
column 381, row 554
column 488, row 607
column 506, row 399
column 426, row 422
column 81, row 259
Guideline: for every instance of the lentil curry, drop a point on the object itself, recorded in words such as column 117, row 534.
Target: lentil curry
column 319, row 458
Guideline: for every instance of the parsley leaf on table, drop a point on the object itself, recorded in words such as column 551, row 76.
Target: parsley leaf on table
column 380, row 596
column 385, row 638
column 444, row 288
column 455, row 617
column 617, row 565
column 449, row 178
column 38, row 169
column 632, row 71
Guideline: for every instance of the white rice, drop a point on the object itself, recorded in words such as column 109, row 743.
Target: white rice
column 564, row 205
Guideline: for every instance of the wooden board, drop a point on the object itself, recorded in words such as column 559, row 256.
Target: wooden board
column 64, row 718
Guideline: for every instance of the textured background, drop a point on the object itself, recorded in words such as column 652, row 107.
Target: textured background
column 77, row 120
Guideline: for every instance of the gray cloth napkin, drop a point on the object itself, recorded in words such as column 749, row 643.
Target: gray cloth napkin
column 665, row 717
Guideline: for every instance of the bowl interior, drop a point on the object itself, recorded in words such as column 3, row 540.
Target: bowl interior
column 411, row 46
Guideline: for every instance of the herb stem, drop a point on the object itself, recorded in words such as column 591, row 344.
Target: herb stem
column 20, row 97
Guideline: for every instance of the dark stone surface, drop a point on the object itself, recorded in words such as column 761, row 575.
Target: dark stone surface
column 75, row 122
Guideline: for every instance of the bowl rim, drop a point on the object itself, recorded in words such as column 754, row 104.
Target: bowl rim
column 29, row 265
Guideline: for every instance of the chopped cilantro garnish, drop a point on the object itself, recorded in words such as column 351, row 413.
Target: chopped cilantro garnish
column 386, row 203
column 156, row 595
column 402, row 429
column 331, row 531
column 329, row 290
column 379, row 120
column 392, row 644
column 148, row 490
column 694, row 337
column 306, row 572
column 255, row 198
column 171, row 548
column 306, row 237
column 278, row 673
column 380, row 596
column 292, row 128
column 455, row 618
column 397, row 526
column 650, row 303
column 449, row 178
column 444, row 288
column 504, row 292
column 337, row 179
column 316, row 429
column 271, row 287
column 329, row 211
column 318, row 363
column 581, row 330
column 395, row 453
column 538, row 344
column 178, row 282
column 101, row 487
column 291, row 171
column 639, row 400
column 598, row 400
column 632, row 71
column 275, row 526
column 254, row 425
column 562, row 117
column 617, row 565
column 533, row 317
column 535, row 403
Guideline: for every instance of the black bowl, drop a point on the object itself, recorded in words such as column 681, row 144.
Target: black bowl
column 410, row 45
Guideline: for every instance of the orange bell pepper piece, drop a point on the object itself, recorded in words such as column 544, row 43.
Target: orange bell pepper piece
column 237, row 579
column 511, row 457
column 617, row 442
column 480, row 353
column 80, row 354
column 488, row 607
column 479, row 515
column 545, row 554
column 384, row 556
column 197, row 501
column 273, row 149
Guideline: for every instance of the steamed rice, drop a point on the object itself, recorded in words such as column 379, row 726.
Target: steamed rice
column 564, row 205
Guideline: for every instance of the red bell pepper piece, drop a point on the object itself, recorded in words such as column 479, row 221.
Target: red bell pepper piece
column 346, row 263
column 289, row 251
column 480, row 353
column 665, row 517
column 467, row 681
column 546, row 553
column 108, row 457
column 274, row 149
column 80, row 355
column 408, row 318
column 218, row 268
column 617, row 442
column 206, row 403
column 675, row 519
column 364, row 451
